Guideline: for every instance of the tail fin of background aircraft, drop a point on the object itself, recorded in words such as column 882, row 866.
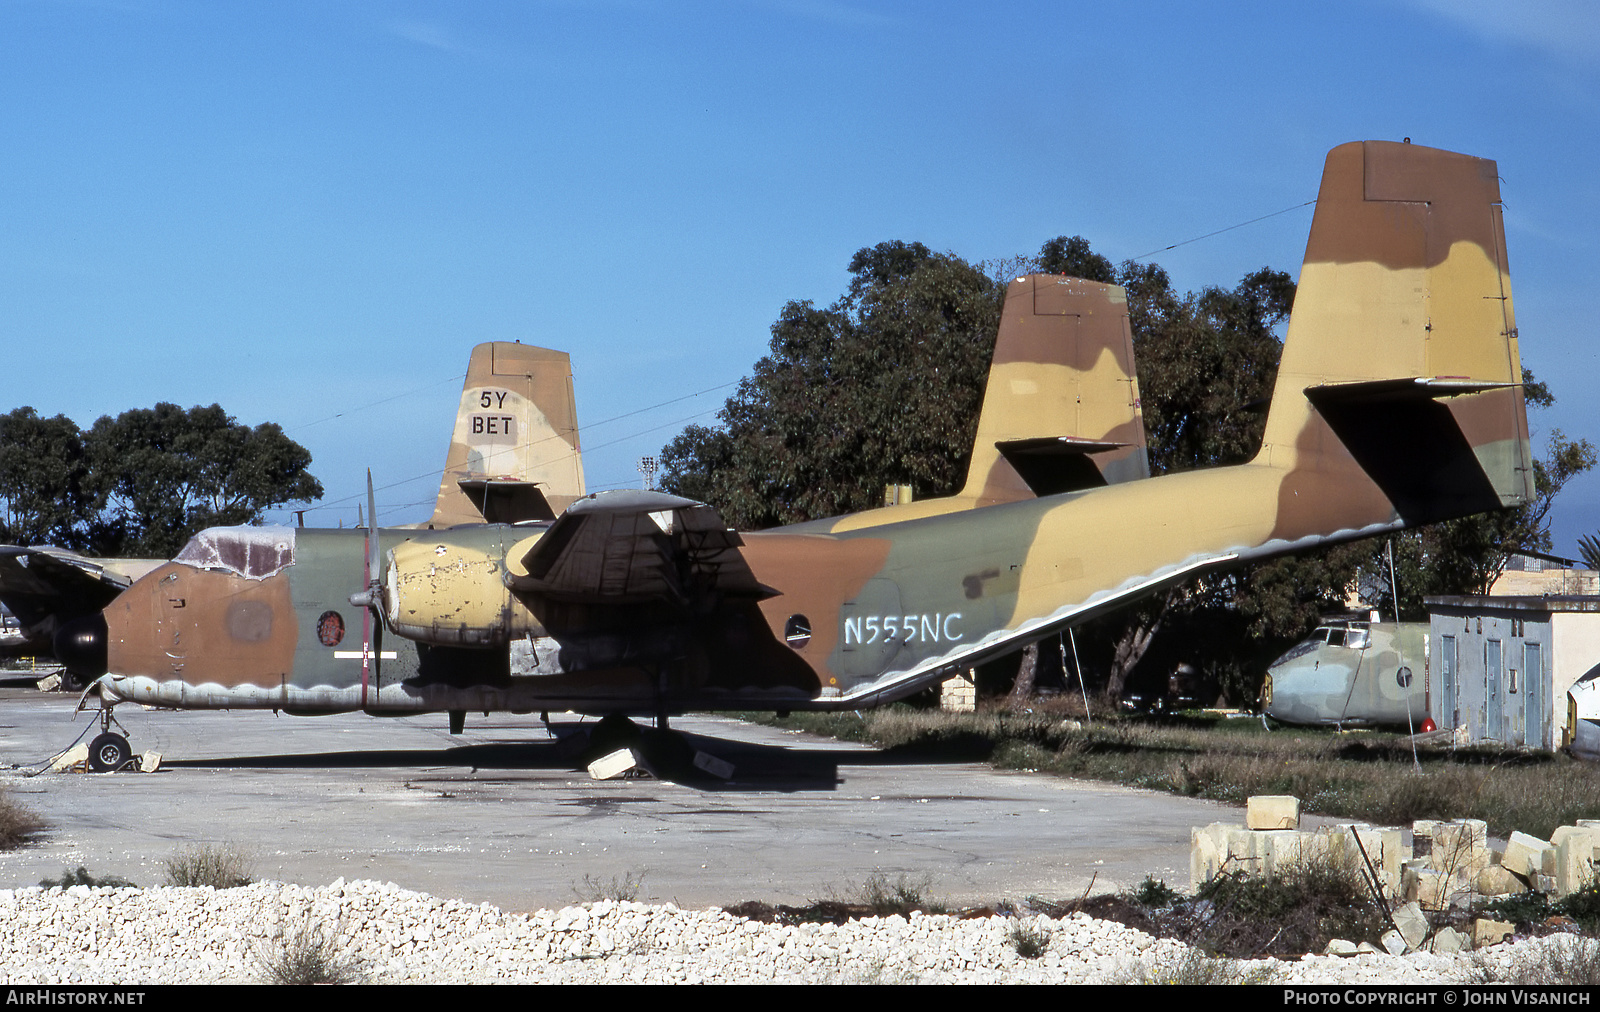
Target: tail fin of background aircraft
column 514, row 454
column 1400, row 367
column 1061, row 408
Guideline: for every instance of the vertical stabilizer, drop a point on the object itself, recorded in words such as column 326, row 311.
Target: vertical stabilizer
column 514, row 454
column 1061, row 407
column 1400, row 373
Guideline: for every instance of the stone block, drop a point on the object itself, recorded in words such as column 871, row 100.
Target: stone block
column 1528, row 856
column 78, row 753
column 616, row 764
column 1487, row 932
column 1412, row 924
column 1496, row 880
column 1459, row 847
column 1576, row 849
column 1272, row 811
column 708, row 763
column 1448, row 940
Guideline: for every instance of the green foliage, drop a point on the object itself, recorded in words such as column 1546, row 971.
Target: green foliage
column 81, row 877
column 1154, row 893
column 141, row 483
column 163, row 473
column 43, row 498
column 881, row 387
column 1029, row 941
column 217, row 867
column 900, row 895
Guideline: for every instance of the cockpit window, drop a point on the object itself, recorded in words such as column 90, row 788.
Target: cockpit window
column 252, row 552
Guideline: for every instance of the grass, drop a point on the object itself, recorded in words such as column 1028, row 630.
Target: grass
column 1367, row 776
column 310, row 955
column 17, row 824
column 885, row 898
column 1030, row 942
column 223, row 867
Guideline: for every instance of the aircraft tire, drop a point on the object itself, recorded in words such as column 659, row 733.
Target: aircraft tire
column 108, row 752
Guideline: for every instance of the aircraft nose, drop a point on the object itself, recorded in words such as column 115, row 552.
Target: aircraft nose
column 81, row 646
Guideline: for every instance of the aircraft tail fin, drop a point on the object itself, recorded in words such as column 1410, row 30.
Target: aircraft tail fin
column 514, row 453
column 1061, row 407
column 1400, row 382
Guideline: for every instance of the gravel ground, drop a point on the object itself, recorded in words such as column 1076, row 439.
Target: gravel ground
column 84, row 935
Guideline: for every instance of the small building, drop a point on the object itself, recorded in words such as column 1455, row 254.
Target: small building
column 1529, row 574
column 1502, row 665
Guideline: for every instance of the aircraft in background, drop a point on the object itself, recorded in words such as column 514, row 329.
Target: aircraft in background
column 1397, row 402
column 513, row 455
column 1352, row 674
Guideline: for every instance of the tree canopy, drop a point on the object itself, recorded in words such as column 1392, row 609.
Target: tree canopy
column 141, row 483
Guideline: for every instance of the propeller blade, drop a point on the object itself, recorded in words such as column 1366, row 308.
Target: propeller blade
column 373, row 562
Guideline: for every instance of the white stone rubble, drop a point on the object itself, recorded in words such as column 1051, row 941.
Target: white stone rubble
column 84, row 935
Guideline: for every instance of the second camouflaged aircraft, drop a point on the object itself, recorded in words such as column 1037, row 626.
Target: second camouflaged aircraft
column 1397, row 403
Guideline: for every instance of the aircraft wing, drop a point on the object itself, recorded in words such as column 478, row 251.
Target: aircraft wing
column 36, row 583
column 633, row 546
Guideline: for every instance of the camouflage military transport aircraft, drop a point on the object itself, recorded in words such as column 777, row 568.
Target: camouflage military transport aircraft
column 513, row 454
column 1397, row 403
column 1352, row 674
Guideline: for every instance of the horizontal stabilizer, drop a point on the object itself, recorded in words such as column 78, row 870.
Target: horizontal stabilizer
column 1051, row 465
column 1409, row 388
column 504, row 501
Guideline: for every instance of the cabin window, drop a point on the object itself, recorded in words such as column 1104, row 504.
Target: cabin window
column 1336, row 637
column 251, row 552
column 1357, row 639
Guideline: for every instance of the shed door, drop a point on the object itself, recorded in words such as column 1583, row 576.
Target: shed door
column 1533, row 713
column 1494, row 721
column 1448, row 717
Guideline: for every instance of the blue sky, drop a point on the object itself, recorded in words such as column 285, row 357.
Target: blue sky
column 309, row 212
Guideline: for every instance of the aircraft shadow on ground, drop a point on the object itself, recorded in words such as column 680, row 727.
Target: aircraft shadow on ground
column 757, row 767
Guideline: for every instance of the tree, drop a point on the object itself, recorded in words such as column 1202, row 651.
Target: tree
column 43, row 498
column 160, row 474
column 882, row 387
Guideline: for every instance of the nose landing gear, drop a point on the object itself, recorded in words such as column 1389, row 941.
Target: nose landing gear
column 109, row 752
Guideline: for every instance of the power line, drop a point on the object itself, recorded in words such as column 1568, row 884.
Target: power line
column 1219, row 231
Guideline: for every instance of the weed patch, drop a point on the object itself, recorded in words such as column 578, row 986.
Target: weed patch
column 17, row 823
column 622, row 888
column 310, row 955
column 218, row 867
column 81, row 877
column 1028, row 941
